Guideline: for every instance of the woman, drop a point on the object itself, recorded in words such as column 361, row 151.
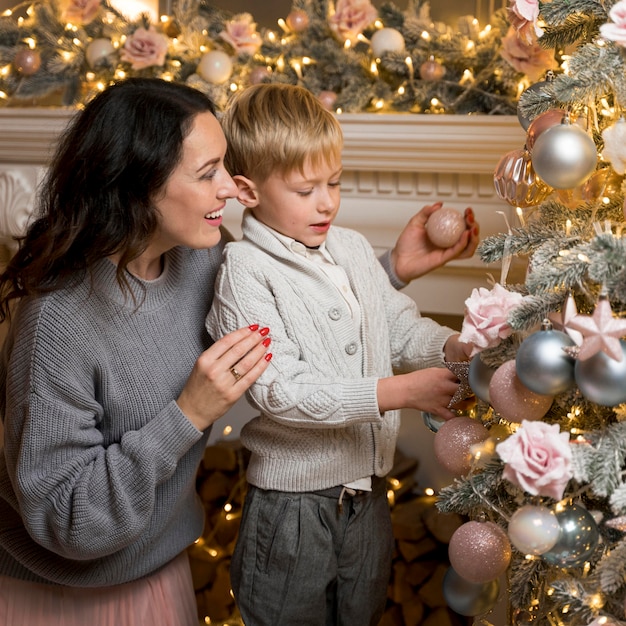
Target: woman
column 108, row 382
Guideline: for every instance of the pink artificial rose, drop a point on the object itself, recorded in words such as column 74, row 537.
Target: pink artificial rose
column 145, row 48
column 538, row 459
column 530, row 59
column 485, row 323
column 616, row 30
column 242, row 35
column 79, row 12
column 351, row 17
column 523, row 16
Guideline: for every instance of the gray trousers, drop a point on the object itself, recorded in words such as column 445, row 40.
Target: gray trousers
column 301, row 559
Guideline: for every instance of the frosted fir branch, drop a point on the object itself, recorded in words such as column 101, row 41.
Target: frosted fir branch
column 596, row 71
column 527, row 581
column 575, row 28
column 520, row 241
column 558, row 13
column 571, row 592
column 471, row 494
column 534, row 309
column 583, row 457
column 606, row 465
column 618, row 500
column 611, row 570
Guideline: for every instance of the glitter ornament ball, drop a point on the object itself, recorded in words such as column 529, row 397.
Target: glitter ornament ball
column 541, row 363
column 601, row 379
column 98, row 51
column 479, row 377
column 432, row 70
column 517, row 183
column 27, row 62
column 479, row 551
column 215, row 67
column 564, row 156
column 386, row 40
column 578, row 538
column 467, row 598
column 444, row 227
column 453, row 442
column 298, row 21
column 512, row 399
column 534, row 529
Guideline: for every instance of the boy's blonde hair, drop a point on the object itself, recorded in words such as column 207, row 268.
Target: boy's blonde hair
column 278, row 128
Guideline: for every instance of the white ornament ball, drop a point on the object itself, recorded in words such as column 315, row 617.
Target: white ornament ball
column 564, row 156
column 215, row 67
column 512, row 399
column 534, row 529
column 386, row 40
column 98, row 51
column 444, row 227
column 601, row 379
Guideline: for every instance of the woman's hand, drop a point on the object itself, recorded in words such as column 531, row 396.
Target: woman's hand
column 223, row 373
column 414, row 255
column 428, row 390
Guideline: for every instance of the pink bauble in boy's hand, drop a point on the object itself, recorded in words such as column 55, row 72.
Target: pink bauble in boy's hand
column 444, row 227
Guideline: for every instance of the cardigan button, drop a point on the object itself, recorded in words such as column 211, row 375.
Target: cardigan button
column 351, row 348
column 334, row 313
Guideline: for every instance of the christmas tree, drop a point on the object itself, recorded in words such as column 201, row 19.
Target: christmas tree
column 541, row 457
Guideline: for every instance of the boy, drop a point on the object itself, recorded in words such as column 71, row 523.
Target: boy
column 315, row 541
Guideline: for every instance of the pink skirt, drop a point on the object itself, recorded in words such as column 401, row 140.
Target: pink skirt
column 164, row 599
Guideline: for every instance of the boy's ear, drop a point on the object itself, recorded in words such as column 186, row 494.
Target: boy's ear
column 247, row 194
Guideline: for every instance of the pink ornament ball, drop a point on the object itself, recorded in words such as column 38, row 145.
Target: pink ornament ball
column 542, row 122
column 444, row 227
column 453, row 442
column 328, row 99
column 514, row 401
column 27, row 62
column 297, row 20
column 432, row 70
column 258, row 75
column 479, row 551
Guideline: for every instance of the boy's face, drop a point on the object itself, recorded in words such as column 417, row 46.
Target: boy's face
column 300, row 205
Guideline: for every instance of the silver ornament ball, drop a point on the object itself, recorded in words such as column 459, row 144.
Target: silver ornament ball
column 479, row 377
column 578, row 538
column 542, row 365
column 467, row 598
column 602, row 379
column 564, row 156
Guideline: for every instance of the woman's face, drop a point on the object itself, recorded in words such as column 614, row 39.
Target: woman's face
column 195, row 195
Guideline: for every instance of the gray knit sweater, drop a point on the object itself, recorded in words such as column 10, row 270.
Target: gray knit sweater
column 320, row 425
column 97, row 478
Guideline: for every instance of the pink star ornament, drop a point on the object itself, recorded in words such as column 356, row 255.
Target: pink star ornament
column 562, row 321
column 600, row 331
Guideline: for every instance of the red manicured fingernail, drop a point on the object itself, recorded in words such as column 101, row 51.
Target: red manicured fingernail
column 266, row 342
column 253, row 327
column 268, row 356
column 264, row 331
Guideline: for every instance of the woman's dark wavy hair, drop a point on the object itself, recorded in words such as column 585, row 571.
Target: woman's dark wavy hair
column 113, row 160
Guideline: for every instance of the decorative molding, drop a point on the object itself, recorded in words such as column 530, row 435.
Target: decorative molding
column 393, row 165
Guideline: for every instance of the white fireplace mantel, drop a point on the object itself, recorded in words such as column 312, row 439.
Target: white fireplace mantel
column 393, row 165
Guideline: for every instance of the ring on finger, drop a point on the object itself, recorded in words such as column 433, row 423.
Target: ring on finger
column 236, row 374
